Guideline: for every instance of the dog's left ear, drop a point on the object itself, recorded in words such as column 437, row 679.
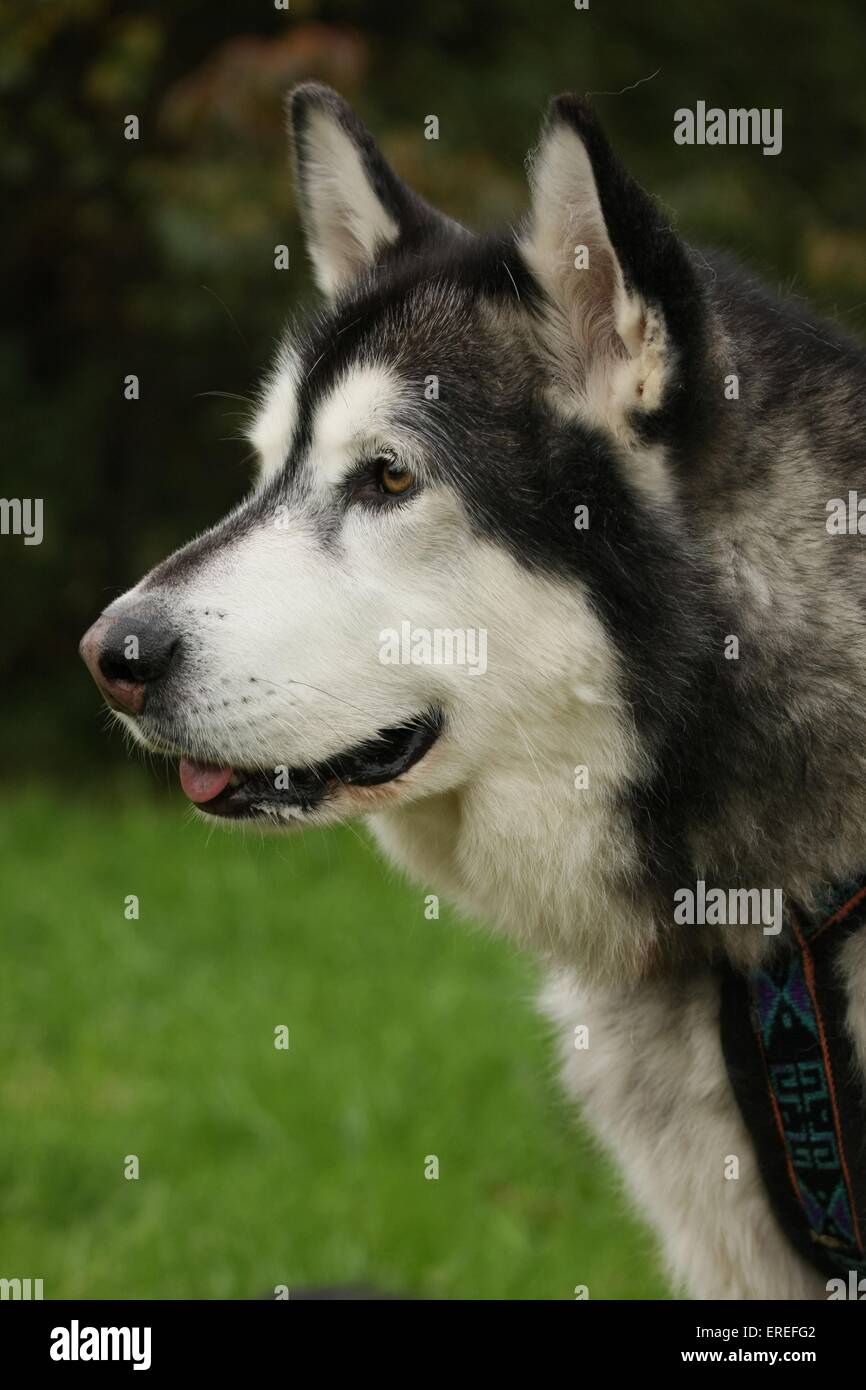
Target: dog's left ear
column 622, row 308
column 356, row 211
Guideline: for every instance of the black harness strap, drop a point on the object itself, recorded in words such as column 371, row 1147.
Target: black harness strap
column 799, row 1086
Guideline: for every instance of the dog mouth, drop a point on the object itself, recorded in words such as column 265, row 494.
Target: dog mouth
column 240, row 793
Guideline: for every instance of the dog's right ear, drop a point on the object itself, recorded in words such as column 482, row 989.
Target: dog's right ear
column 624, row 312
column 355, row 209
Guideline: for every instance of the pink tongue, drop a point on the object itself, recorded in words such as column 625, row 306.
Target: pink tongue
column 200, row 781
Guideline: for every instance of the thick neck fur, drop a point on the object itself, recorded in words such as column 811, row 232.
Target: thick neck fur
column 788, row 762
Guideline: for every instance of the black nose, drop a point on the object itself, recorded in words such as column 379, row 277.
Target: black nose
column 126, row 654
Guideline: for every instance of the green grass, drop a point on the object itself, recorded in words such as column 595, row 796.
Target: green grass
column 261, row 1167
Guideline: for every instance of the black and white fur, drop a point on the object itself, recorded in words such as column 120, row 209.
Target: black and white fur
column 558, row 387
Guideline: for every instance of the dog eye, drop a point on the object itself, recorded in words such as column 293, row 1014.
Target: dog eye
column 393, row 478
column 381, row 480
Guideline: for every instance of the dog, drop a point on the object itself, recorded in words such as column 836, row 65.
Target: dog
column 609, row 459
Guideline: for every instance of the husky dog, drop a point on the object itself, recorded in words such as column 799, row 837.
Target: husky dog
column 612, row 456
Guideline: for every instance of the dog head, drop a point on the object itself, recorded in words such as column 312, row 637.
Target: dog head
column 465, row 495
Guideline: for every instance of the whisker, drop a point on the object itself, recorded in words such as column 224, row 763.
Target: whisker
column 304, row 685
column 226, row 396
column 232, row 318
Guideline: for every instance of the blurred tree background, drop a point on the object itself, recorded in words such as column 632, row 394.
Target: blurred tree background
column 156, row 256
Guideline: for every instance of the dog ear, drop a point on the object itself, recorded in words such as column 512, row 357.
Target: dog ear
column 622, row 306
column 355, row 209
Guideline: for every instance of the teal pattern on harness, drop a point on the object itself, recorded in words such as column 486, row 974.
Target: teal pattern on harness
column 798, row 1085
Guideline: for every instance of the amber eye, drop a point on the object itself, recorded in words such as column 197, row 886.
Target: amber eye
column 394, row 478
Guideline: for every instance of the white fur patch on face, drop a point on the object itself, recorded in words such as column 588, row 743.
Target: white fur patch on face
column 348, row 224
column 354, row 420
column 271, row 431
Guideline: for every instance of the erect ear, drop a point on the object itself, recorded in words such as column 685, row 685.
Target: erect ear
column 355, row 209
column 623, row 308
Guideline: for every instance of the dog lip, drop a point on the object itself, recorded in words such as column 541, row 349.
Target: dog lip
column 382, row 758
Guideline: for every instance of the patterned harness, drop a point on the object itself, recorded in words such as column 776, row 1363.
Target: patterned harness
column 800, row 1090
